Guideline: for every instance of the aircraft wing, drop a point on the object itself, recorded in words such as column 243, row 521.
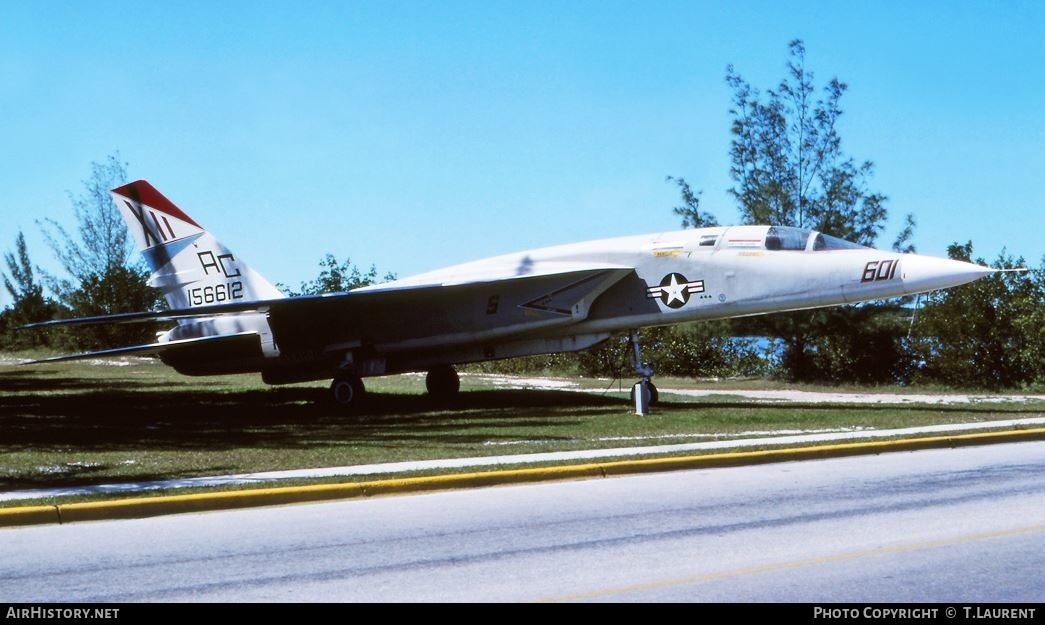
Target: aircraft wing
column 403, row 316
column 429, row 316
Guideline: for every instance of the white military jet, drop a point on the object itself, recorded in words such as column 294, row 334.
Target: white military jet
column 554, row 299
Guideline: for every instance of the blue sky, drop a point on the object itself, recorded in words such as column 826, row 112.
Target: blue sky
column 414, row 135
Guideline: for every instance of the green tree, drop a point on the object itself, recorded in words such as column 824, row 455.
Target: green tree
column 904, row 242
column 862, row 344
column 989, row 333
column 105, row 274
column 788, row 168
column 690, row 211
column 703, row 349
column 102, row 240
column 787, row 162
column 337, row 277
column 120, row 289
column 29, row 305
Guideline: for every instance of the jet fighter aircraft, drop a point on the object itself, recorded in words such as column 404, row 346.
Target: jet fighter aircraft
column 229, row 319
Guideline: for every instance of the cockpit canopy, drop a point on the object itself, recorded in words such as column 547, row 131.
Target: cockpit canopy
column 827, row 242
column 783, row 238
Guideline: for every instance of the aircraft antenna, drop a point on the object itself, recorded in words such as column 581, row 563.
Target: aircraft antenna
column 914, row 313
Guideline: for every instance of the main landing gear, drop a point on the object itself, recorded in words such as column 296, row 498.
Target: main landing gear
column 442, row 383
column 347, row 389
column 348, row 392
column 644, row 392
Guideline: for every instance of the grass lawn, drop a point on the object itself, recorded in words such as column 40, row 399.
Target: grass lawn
column 76, row 423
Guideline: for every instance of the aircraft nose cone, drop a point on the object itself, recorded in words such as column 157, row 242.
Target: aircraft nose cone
column 928, row 273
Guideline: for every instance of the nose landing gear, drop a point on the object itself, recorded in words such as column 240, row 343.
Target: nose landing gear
column 644, row 392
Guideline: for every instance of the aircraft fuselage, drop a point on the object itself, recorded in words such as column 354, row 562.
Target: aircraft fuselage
column 641, row 281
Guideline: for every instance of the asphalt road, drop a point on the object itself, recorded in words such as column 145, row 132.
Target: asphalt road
column 961, row 525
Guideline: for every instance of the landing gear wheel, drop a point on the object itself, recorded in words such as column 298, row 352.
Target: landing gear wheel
column 442, row 382
column 645, row 372
column 654, row 396
column 347, row 390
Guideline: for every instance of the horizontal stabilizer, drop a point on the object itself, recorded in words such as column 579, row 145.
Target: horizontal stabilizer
column 143, row 350
column 164, row 315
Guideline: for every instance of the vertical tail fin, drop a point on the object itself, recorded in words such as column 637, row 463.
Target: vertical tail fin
column 188, row 264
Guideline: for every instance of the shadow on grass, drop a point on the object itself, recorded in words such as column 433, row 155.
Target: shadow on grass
column 30, row 381
column 120, row 413
column 65, row 417
column 62, row 415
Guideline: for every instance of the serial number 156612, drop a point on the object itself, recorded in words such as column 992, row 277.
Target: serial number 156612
column 215, row 294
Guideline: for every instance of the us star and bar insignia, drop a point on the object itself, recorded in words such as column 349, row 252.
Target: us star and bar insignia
column 674, row 290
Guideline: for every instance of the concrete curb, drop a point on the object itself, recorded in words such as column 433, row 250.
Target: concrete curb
column 30, row 515
column 225, row 500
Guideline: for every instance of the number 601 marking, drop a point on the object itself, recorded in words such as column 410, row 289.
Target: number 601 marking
column 879, row 270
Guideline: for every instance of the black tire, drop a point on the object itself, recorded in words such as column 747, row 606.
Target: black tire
column 442, row 382
column 347, row 391
column 654, row 396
